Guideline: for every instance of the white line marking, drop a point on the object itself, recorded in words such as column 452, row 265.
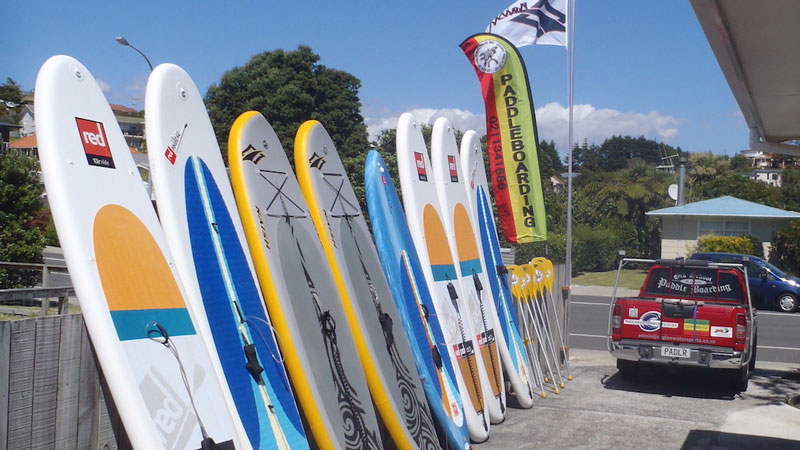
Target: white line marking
column 779, row 314
column 589, row 335
column 779, row 348
column 589, row 303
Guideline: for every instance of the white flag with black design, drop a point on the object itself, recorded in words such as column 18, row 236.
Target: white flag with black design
column 532, row 22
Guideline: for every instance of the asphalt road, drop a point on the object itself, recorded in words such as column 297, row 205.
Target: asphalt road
column 778, row 333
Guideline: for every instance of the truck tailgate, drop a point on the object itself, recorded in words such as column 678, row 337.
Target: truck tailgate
column 641, row 318
column 693, row 322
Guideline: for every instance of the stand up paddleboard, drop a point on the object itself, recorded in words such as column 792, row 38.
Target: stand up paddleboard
column 515, row 362
column 453, row 200
column 321, row 355
column 203, row 228
column 162, row 378
column 382, row 344
column 414, row 303
column 430, row 239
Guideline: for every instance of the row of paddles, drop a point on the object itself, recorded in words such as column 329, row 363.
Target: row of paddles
column 540, row 327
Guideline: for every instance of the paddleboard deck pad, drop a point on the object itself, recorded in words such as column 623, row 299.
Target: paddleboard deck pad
column 199, row 217
column 321, row 355
column 406, row 279
column 143, row 331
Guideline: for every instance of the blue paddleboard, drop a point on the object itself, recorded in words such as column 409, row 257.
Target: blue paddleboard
column 407, row 282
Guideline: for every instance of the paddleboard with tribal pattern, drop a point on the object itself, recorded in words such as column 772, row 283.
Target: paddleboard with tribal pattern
column 381, row 341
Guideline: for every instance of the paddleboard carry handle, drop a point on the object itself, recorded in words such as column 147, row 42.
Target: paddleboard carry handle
column 252, row 365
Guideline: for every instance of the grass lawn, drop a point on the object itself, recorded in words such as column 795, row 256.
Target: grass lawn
column 630, row 278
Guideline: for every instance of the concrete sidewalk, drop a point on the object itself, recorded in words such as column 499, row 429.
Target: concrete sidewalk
column 663, row 409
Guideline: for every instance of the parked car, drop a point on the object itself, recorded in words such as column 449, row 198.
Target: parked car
column 769, row 285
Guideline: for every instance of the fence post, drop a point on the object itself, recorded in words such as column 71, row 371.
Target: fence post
column 45, row 283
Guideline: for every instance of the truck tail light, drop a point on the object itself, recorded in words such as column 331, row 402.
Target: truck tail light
column 616, row 323
column 741, row 332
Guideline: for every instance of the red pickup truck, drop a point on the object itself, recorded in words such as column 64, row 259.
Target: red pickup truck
column 689, row 313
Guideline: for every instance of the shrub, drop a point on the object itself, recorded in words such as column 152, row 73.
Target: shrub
column 758, row 246
column 785, row 251
column 725, row 244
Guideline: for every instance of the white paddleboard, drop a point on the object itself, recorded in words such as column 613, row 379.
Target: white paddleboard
column 124, row 276
column 515, row 361
column 199, row 217
column 424, row 217
column 447, row 176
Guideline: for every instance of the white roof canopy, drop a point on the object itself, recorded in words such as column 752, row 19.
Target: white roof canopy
column 757, row 45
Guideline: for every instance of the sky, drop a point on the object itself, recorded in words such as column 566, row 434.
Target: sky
column 642, row 68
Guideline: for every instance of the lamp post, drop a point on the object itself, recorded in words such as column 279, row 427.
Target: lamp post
column 124, row 42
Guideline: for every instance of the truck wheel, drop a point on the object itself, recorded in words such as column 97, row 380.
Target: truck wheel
column 753, row 356
column 628, row 369
column 787, row 303
column 741, row 378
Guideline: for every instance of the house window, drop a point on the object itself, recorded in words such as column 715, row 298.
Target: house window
column 723, row 228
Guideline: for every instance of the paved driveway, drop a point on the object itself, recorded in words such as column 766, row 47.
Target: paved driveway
column 663, row 409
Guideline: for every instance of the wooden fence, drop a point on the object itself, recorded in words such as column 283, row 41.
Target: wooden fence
column 52, row 395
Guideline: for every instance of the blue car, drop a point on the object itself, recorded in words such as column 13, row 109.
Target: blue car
column 769, row 286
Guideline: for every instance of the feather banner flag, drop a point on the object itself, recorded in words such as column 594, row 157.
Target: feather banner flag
column 534, row 22
column 511, row 137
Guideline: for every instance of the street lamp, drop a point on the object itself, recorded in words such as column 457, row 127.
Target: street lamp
column 124, row 42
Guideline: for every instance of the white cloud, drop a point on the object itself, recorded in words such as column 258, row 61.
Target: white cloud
column 461, row 120
column 594, row 125
column 104, row 86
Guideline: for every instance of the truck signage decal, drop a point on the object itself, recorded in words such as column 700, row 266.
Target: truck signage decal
column 722, row 332
column 693, row 282
column 690, row 326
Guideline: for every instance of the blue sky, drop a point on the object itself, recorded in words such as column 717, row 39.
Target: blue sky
column 641, row 67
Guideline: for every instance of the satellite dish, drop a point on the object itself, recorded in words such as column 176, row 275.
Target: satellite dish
column 672, row 190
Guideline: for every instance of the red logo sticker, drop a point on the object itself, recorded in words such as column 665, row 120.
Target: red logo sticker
column 95, row 143
column 421, row 172
column 171, row 155
column 451, row 164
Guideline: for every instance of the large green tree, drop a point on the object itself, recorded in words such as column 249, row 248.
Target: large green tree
column 288, row 88
column 20, row 241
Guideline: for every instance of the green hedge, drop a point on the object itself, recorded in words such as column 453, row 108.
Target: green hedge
column 725, row 244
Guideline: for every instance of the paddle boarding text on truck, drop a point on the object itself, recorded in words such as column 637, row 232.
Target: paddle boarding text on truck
column 688, row 313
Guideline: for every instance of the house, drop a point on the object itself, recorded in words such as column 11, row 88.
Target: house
column 770, row 177
column 723, row 216
column 26, row 121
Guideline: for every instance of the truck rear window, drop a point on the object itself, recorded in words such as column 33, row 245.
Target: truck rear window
column 694, row 283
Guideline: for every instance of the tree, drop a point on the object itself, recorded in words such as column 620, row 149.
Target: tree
column 20, row 191
column 791, row 189
column 10, row 93
column 289, row 88
column 620, row 200
column 785, row 251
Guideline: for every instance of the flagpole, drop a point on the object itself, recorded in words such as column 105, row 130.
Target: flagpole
column 566, row 290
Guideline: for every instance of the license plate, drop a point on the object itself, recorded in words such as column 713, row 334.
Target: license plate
column 675, row 352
